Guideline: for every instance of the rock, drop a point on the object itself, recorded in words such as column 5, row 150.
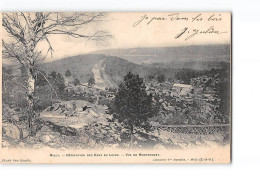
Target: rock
column 91, row 142
column 11, row 130
column 140, row 138
column 107, row 128
column 15, row 117
column 45, row 129
column 45, row 138
column 53, row 144
column 92, row 113
column 55, row 107
column 25, row 132
column 125, row 136
column 99, row 136
column 117, row 137
column 5, row 144
column 110, row 140
column 103, row 131
column 68, row 131
column 83, row 138
column 109, row 117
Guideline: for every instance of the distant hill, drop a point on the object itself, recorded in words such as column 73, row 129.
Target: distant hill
column 80, row 66
column 177, row 55
column 115, row 68
column 194, row 65
column 109, row 68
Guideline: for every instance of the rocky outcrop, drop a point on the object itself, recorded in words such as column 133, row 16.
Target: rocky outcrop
column 63, row 130
column 105, row 133
column 12, row 131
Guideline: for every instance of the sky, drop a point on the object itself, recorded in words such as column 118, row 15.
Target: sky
column 147, row 29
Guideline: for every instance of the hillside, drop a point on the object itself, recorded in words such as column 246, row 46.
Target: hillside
column 102, row 68
column 80, row 66
column 117, row 68
column 177, row 55
column 194, row 65
column 108, row 67
column 93, row 65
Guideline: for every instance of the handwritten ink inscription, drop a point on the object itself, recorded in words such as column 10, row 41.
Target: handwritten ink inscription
column 186, row 33
column 193, row 32
column 171, row 17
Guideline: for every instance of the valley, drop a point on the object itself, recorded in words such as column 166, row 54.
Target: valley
column 186, row 95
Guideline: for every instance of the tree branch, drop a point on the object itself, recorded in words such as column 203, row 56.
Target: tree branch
column 49, row 84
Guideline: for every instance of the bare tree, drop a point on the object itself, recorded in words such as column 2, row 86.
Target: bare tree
column 27, row 30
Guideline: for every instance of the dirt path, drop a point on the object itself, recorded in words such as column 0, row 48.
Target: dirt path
column 101, row 79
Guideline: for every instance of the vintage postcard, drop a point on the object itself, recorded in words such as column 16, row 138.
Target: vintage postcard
column 116, row 87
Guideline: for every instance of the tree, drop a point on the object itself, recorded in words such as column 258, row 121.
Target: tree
column 223, row 91
column 91, row 81
column 27, row 30
column 40, row 80
column 68, row 73
column 57, row 81
column 76, row 82
column 6, row 77
column 53, row 75
column 150, row 77
column 132, row 105
column 161, row 78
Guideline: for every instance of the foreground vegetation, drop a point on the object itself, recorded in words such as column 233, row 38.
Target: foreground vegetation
column 114, row 117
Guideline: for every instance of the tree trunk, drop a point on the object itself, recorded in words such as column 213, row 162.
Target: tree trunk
column 30, row 98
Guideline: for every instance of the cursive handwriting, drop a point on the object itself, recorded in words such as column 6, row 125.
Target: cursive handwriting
column 148, row 20
column 190, row 33
column 177, row 17
column 171, row 17
column 187, row 32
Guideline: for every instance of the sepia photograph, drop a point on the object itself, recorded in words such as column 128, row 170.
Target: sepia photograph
column 116, row 87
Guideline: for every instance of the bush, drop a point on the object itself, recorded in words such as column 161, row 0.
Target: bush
column 161, row 78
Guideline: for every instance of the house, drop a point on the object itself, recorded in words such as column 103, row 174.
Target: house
column 182, row 89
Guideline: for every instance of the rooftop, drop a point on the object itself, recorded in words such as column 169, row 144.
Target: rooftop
column 181, row 85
